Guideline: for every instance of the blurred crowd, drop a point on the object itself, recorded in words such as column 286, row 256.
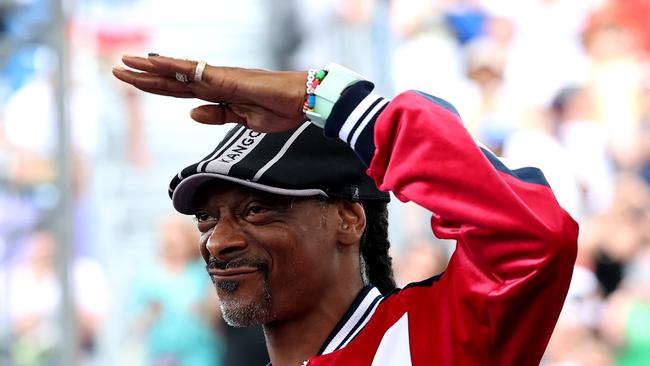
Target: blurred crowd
column 559, row 84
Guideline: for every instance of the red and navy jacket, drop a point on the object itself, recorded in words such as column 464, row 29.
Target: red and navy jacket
column 501, row 294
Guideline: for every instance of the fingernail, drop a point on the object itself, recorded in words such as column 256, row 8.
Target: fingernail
column 119, row 68
column 152, row 54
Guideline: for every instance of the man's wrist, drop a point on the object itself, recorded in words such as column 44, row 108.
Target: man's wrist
column 328, row 92
column 343, row 105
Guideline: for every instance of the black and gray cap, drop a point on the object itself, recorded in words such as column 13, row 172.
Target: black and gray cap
column 299, row 162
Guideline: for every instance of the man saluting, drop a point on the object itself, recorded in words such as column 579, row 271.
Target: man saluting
column 292, row 209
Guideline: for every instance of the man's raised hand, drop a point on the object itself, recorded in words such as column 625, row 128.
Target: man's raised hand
column 264, row 101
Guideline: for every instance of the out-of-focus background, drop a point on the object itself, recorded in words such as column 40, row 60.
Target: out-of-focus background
column 96, row 269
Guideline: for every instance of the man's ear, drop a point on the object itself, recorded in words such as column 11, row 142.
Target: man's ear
column 352, row 222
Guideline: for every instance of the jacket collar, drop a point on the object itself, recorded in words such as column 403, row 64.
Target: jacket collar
column 354, row 319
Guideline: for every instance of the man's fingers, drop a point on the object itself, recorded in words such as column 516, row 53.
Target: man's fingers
column 263, row 120
column 223, row 84
column 171, row 66
column 144, row 80
column 139, row 63
column 253, row 117
column 278, row 96
column 169, row 93
column 215, row 114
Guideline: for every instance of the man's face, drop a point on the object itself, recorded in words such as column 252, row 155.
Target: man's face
column 269, row 256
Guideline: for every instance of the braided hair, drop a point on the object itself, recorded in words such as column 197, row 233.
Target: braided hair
column 374, row 245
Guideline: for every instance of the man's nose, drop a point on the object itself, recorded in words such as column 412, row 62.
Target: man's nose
column 226, row 240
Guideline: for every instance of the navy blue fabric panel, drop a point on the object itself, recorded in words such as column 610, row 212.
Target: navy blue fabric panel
column 528, row 174
column 441, row 102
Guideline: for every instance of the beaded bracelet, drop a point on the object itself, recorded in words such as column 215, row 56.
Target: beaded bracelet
column 314, row 79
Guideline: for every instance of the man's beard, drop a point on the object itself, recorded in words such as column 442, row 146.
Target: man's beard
column 242, row 313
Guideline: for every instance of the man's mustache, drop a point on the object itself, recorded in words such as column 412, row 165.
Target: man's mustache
column 254, row 262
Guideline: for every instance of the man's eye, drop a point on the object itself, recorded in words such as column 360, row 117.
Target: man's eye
column 256, row 210
column 203, row 216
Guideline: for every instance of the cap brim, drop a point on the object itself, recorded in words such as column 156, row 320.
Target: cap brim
column 183, row 196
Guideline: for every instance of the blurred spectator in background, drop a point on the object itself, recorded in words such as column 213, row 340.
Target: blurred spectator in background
column 575, row 340
column 544, row 49
column 35, row 300
column 418, row 259
column 110, row 38
column 487, row 105
column 573, row 344
column 623, row 230
column 634, row 14
column 34, row 296
column 538, row 146
column 586, row 147
column 315, row 32
column 644, row 128
column 615, row 75
column 21, row 119
column 626, row 323
column 597, row 325
column 426, row 53
column 175, row 304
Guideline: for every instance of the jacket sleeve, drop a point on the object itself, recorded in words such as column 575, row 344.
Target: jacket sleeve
column 506, row 282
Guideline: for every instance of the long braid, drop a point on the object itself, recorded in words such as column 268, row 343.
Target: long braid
column 374, row 247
